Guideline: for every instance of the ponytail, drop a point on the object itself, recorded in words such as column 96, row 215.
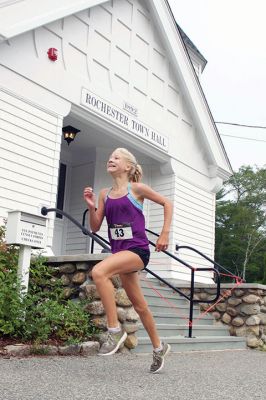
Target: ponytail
column 135, row 174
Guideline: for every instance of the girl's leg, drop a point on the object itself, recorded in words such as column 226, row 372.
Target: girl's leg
column 122, row 262
column 132, row 287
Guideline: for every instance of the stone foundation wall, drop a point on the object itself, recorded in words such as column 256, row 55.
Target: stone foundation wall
column 242, row 308
column 76, row 277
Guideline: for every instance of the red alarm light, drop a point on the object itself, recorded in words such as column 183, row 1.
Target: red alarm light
column 52, row 53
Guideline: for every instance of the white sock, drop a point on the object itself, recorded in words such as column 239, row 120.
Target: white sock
column 157, row 349
column 114, row 330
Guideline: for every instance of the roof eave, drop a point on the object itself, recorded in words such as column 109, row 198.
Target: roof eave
column 39, row 13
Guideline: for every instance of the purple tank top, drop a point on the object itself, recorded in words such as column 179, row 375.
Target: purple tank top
column 126, row 223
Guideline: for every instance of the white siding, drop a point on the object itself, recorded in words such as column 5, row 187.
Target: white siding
column 194, row 216
column 29, row 154
column 193, row 225
column 164, row 184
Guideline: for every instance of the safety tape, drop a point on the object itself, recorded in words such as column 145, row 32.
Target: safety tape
column 172, row 305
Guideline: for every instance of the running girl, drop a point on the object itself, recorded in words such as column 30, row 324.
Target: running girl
column 122, row 206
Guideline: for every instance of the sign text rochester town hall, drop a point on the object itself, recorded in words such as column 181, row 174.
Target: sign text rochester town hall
column 123, row 119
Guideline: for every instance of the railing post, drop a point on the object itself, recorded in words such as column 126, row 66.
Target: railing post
column 192, row 284
column 92, row 246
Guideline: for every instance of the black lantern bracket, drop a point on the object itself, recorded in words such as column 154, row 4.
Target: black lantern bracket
column 69, row 133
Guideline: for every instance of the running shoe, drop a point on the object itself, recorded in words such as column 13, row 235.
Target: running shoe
column 158, row 358
column 113, row 342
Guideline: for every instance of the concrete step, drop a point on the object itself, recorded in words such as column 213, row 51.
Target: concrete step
column 93, row 258
column 180, row 310
column 150, row 287
column 162, row 290
column 167, row 299
column 172, row 318
column 179, row 344
column 171, row 330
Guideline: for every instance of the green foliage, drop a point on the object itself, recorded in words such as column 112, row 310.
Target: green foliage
column 241, row 224
column 42, row 314
column 66, row 322
column 38, row 350
column 8, row 258
column 44, row 281
column 11, row 307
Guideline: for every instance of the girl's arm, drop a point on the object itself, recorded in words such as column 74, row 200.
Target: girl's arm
column 142, row 192
column 95, row 216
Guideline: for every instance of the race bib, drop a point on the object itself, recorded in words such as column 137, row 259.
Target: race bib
column 121, row 231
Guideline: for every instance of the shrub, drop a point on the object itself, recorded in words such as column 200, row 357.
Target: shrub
column 11, row 307
column 61, row 321
column 43, row 314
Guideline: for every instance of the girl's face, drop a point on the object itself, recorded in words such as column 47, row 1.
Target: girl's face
column 117, row 163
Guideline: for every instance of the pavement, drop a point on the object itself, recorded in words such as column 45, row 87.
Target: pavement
column 218, row 375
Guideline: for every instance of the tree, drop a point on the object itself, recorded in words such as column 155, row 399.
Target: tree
column 241, row 224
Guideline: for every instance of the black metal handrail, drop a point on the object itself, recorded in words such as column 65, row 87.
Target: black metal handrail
column 219, row 266
column 192, row 282
column 104, row 243
column 100, row 241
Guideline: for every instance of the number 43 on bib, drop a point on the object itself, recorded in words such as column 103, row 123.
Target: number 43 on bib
column 121, row 231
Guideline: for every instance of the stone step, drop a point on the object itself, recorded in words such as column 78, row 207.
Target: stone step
column 179, row 344
column 171, row 330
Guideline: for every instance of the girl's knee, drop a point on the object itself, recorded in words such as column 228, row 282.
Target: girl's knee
column 97, row 274
column 142, row 308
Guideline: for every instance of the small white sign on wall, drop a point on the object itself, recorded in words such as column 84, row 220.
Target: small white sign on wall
column 26, row 229
column 124, row 119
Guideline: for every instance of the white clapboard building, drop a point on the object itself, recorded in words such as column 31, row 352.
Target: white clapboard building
column 123, row 74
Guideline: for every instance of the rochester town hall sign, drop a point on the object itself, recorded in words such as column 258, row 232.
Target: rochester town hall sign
column 123, row 118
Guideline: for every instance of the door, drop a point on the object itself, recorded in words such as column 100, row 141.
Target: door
column 59, row 237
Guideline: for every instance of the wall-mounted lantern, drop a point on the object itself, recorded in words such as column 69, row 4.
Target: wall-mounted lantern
column 69, row 133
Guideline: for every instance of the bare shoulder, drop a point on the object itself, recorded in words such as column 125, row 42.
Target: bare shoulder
column 103, row 192
column 146, row 192
column 138, row 188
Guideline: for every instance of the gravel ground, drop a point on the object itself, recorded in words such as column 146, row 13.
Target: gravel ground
column 188, row 376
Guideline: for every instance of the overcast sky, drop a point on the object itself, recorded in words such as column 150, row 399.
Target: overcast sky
column 231, row 35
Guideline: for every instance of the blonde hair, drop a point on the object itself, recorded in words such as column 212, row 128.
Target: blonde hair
column 135, row 172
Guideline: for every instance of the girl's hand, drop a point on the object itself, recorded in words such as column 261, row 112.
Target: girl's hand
column 89, row 197
column 162, row 242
